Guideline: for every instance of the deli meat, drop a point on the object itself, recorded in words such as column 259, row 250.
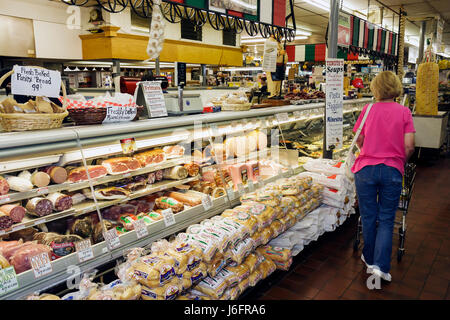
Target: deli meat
column 150, row 157
column 192, row 169
column 173, row 151
column 11, row 250
column 5, row 221
column 61, row 202
column 5, row 245
column 21, row 259
column 121, row 165
column 57, row 174
column 4, row 186
column 159, row 175
column 39, row 206
column 79, row 174
column 14, row 211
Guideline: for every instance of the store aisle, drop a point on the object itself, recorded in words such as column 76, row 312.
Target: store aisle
column 329, row 269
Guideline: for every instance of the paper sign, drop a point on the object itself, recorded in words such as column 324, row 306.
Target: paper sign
column 269, row 63
column 282, row 117
column 32, row 81
column 119, row 114
column 206, row 202
column 250, row 185
column 169, row 218
column 297, row 114
column 84, row 250
column 43, row 190
column 334, row 103
column 112, row 239
column 41, row 265
column 8, row 280
column 241, row 189
column 230, row 193
column 154, row 98
column 141, row 228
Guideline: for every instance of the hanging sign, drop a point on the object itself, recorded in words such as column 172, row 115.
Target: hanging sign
column 32, row 81
column 334, row 102
column 344, row 29
column 269, row 63
column 154, row 98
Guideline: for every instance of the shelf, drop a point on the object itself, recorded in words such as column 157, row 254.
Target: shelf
column 18, row 196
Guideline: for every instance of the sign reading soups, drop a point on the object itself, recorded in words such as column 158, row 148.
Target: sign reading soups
column 32, row 81
column 333, row 102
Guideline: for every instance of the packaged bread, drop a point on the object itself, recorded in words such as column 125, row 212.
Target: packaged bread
column 241, row 230
column 196, row 275
column 241, row 272
column 262, row 213
column 288, row 221
column 275, row 253
column 119, row 290
column 252, row 261
column 216, row 264
column 231, row 278
column 233, row 292
column 244, row 284
column 277, row 228
column 199, row 295
column 168, row 291
column 285, row 265
column 288, row 188
column 267, row 267
column 213, row 287
column 205, row 244
column 228, row 232
column 267, row 234
column 291, row 201
column 153, row 271
column 243, row 249
column 246, row 220
column 255, row 277
column 187, row 257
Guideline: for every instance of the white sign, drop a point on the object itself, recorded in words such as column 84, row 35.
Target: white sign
column 5, row 198
column 251, row 186
column 439, row 31
column 241, row 189
column 141, row 228
column 32, row 81
column 269, row 63
column 84, row 250
column 43, row 190
column 8, row 280
column 154, row 98
column 297, row 114
column 206, row 202
column 119, row 114
column 169, row 218
column 282, row 117
column 334, row 102
column 111, row 238
column 41, row 265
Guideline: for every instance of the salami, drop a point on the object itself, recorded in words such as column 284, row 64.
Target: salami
column 60, row 201
column 4, row 186
column 5, row 221
column 14, row 211
column 57, row 174
column 39, row 206
column 151, row 178
column 159, row 175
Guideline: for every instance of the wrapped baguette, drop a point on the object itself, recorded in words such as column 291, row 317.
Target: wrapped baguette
column 175, row 173
column 61, row 202
column 38, row 178
column 15, row 211
column 39, row 207
column 19, row 184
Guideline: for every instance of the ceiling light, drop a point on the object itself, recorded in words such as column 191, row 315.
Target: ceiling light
column 253, row 40
column 76, row 69
column 67, row 69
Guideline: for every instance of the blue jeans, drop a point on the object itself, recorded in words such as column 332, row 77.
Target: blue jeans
column 378, row 188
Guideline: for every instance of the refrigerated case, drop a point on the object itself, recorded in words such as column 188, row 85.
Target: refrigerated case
column 87, row 145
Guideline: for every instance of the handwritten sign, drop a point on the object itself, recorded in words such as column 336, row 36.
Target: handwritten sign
column 269, row 63
column 282, row 117
column 84, row 250
column 334, row 102
column 41, row 265
column 112, row 239
column 4, row 199
column 206, row 202
column 169, row 218
column 119, row 114
column 32, row 81
column 8, row 280
column 141, row 228
column 154, row 98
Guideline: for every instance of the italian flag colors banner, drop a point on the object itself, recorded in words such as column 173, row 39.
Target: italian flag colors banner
column 307, row 52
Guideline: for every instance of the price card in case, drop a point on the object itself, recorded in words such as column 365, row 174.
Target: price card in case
column 207, row 202
column 241, row 189
column 169, row 218
column 8, row 280
column 250, row 185
column 282, row 117
column 84, row 250
column 112, row 238
column 297, row 114
column 141, row 228
column 43, row 190
column 230, row 193
column 4, row 199
column 41, row 265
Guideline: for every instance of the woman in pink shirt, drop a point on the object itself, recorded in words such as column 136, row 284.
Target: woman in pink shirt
column 386, row 142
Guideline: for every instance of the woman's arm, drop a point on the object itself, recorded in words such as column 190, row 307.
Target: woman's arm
column 409, row 144
column 360, row 141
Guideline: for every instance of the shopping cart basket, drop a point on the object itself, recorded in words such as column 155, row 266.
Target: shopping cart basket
column 405, row 197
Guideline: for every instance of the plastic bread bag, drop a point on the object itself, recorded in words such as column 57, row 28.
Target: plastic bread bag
column 261, row 212
column 334, row 181
column 187, row 257
column 318, row 189
column 160, row 246
column 231, row 278
column 218, row 262
column 244, row 284
column 275, row 253
column 288, row 202
column 87, row 287
column 168, row 291
column 199, row 295
column 206, row 245
column 267, row 267
column 267, row 235
column 188, row 295
column 240, row 272
column 243, row 230
column 154, row 271
column 224, row 242
column 255, row 277
column 246, row 220
column 283, row 265
column 194, row 276
column 252, row 261
column 123, row 291
column 257, row 238
column 44, row 296
column 289, row 188
column 213, row 287
column 229, row 232
column 243, row 249
column 248, row 197
column 277, row 228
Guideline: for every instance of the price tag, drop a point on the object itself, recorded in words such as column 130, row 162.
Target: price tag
column 112, row 239
column 41, row 265
column 8, row 280
column 282, row 117
column 141, row 228
column 215, row 130
column 4, row 199
column 84, row 250
column 169, row 218
column 241, row 189
column 207, row 202
column 43, row 190
column 297, row 114
column 250, row 185
column 230, row 193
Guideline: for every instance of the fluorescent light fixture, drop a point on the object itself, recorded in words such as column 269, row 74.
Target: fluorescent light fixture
column 301, row 37
column 253, row 40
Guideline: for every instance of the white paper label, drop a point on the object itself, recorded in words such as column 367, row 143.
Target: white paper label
column 230, row 193
column 169, row 218
column 154, row 98
column 4, row 199
column 141, row 228
column 112, row 239
column 206, row 202
column 334, row 102
column 250, row 185
column 8, row 280
column 119, row 114
column 241, row 189
column 31, row 81
column 269, row 63
column 127, row 175
column 41, row 265
column 297, row 114
column 84, row 250
column 282, row 117
column 43, row 190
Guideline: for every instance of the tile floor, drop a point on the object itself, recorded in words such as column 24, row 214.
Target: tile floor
column 330, row 269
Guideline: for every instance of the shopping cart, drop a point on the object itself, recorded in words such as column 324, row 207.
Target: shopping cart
column 405, row 197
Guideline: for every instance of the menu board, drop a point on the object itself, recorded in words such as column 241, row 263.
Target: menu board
column 333, row 102
column 154, row 98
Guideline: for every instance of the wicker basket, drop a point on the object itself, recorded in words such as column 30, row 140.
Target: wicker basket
column 32, row 121
column 82, row 116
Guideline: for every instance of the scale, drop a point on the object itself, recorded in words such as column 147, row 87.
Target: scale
column 192, row 103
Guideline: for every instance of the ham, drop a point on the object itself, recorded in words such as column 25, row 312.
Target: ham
column 121, row 165
column 21, row 259
column 5, row 245
column 9, row 251
column 79, row 174
column 150, row 157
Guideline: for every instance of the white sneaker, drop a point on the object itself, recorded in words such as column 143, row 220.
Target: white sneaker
column 382, row 275
column 369, row 267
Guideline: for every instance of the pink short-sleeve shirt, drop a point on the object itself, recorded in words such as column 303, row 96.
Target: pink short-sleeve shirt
column 384, row 135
